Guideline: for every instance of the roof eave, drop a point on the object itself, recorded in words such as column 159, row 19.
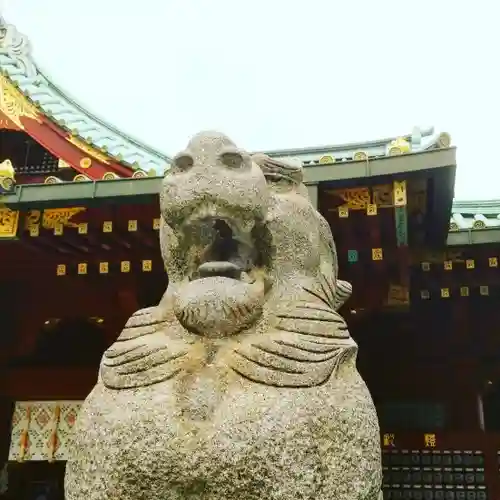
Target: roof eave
column 54, row 195
column 398, row 166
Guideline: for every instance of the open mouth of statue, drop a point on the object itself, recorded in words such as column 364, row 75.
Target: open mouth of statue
column 223, row 246
column 225, row 259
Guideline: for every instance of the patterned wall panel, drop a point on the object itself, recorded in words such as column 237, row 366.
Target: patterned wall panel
column 41, row 430
column 434, row 475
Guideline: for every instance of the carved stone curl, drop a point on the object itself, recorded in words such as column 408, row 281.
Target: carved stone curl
column 242, row 382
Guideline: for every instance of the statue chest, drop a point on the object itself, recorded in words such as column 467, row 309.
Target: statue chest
column 144, row 443
column 157, row 443
column 191, row 413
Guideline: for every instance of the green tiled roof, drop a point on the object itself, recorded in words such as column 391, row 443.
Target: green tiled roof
column 474, row 222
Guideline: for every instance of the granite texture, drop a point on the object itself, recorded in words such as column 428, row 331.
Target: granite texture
column 242, row 382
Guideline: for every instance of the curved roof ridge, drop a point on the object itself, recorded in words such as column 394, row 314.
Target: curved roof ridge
column 18, row 65
column 132, row 139
column 420, row 139
column 474, row 207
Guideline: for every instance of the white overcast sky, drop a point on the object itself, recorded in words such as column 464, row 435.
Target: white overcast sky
column 281, row 73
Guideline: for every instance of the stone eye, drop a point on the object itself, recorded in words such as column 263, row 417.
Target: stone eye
column 183, row 161
column 232, row 159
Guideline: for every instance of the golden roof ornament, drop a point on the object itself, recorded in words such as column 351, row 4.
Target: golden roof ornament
column 444, row 140
column 399, row 146
column 52, row 179
column 109, row 176
column 327, row 159
column 7, row 175
column 81, row 178
column 360, row 156
column 6, row 169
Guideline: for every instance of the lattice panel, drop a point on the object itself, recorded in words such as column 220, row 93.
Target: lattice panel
column 41, row 430
column 436, row 475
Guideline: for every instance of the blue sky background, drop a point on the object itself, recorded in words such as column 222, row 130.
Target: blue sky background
column 281, row 73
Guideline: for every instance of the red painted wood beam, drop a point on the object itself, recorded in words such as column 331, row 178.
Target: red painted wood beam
column 57, row 141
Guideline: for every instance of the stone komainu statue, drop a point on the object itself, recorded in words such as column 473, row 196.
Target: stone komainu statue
column 241, row 384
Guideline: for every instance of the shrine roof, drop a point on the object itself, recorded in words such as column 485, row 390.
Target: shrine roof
column 417, row 141
column 34, row 93
column 38, row 94
column 474, row 222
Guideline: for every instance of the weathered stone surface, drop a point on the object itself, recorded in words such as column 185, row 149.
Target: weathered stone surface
column 241, row 384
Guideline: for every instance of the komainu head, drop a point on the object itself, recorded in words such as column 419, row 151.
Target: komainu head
column 239, row 236
column 252, row 269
